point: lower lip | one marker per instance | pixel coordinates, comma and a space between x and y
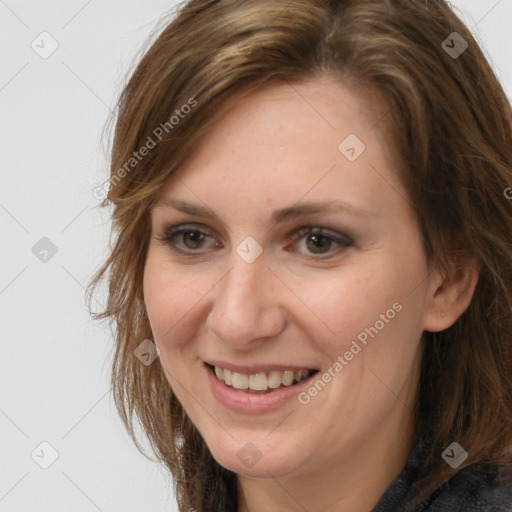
254, 403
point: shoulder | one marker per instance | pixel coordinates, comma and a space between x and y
473, 489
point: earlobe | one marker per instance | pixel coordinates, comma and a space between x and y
452, 296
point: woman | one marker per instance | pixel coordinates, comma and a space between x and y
312, 273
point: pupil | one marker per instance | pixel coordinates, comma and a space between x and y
195, 238
319, 242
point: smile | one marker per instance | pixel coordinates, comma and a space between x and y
262, 382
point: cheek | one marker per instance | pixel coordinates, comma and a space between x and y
362, 303
339, 307
173, 302
172, 299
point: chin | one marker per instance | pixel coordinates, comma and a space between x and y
258, 459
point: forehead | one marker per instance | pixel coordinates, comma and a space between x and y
287, 142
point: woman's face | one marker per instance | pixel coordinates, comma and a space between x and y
297, 250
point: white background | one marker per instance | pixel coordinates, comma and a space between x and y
54, 364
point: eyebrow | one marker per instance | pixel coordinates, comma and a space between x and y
279, 216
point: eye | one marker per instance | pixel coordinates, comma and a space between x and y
186, 240
319, 242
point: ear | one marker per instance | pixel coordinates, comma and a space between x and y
450, 294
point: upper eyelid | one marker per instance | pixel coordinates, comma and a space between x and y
310, 228
327, 232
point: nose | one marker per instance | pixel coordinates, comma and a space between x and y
248, 304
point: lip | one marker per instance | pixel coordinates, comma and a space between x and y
249, 403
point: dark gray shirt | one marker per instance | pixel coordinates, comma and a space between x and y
474, 488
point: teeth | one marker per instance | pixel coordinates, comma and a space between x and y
240, 380
274, 380
260, 381
287, 378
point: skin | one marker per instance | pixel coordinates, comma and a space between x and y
273, 149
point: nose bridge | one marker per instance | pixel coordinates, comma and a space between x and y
246, 306
241, 286
245, 287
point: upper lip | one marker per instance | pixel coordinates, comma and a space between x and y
257, 368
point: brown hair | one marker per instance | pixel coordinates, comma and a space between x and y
451, 124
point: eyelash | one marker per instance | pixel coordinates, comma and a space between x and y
342, 240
